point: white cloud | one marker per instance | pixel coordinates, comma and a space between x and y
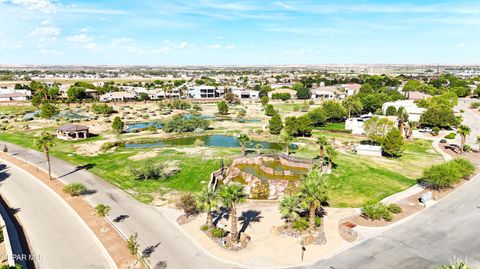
85, 42
46, 32
45, 6
183, 45
51, 51
80, 38
214, 46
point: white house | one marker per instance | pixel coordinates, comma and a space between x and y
414, 112
351, 88
245, 94
356, 124
368, 150
118, 96
204, 92
13, 96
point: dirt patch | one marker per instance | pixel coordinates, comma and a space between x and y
143, 155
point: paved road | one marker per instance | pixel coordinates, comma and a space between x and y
167, 244
434, 236
56, 236
470, 118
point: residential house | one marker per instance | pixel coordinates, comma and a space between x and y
205, 92
414, 112
118, 96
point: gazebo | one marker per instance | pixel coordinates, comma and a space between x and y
72, 132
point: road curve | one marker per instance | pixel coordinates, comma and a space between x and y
57, 236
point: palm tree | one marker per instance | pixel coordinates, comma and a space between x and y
289, 207
207, 200
411, 126
463, 130
287, 139
322, 143
313, 192
330, 155
44, 143
243, 139
402, 117
231, 195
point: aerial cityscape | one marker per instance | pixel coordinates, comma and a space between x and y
239, 134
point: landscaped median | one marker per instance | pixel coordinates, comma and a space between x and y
113, 242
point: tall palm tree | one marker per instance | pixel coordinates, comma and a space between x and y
243, 139
207, 201
322, 142
289, 207
411, 126
287, 139
231, 195
313, 192
463, 130
44, 143
330, 156
402, 117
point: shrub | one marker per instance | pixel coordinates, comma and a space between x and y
467, 148
109, 145
435, 131
450, 136
292, 188
218, 232
222, 108
281, 96
197, 107
475, 105
102, 109
204, 227
176, 104
300, 224
188, 203
102, 210
465, 167
75, 189
260, 191
150, 170
318, 221
269, 110
117, 125
441, 176
394, 208
178, 123
376, 210
391, 111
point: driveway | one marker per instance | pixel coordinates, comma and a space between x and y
471, 118
57, 236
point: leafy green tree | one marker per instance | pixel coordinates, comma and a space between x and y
334, 110
411, 86
243, 139
44, 143
313, 192
76, 93
353, 105
304, 93
463, 131
391, 111
377, 128
275, 124
207, 201
297, 86
304, 126
222, 108
269, 110
264, 100
323, 143
287, 139
48, 110
393, 143
265, 90
232, 195
289, 207
439, 116
291, 126
318, 116
460, 91
117, 125
132, 244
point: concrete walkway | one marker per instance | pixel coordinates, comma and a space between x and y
57, 236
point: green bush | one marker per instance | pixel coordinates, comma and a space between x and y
446, 174
281, 96
376, 211
75, 189
464, 166
102, 210
102, 109
475, 105
318, 221
204, 227
260, 191
450, 136
218, 232
435, 131
300, 224
394, 208
150, 170
178, 123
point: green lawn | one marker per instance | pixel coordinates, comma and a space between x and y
332, 126
16, 109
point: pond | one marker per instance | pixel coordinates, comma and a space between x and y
249, 120
142, 125
209, 140
255, 170
205, 117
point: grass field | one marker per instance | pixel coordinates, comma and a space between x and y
16, 109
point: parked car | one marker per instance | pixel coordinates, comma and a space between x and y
426, 130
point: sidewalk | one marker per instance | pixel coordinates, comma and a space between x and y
112, 241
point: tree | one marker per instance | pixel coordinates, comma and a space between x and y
353, 105
222, 108
313, 192
331, 154
48, 110
287, 139
402, 117
289, 207
117, 125
75, 93
463, 131
44, 143
391, 111
231, 195
207, 201
269, 110
437, 115
297, 86
322, 142
304, 93
411, 125
275, 124
411, 86
243, 139
377, 128
188, 203
393, 143
318, 116
132, 244
334, 110
291, 125
264, 100
304, 125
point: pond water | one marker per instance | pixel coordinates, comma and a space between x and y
205, 117
255, 170
249, 120
142, 125
279, 167
209, 140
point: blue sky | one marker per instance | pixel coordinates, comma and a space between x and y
209, 32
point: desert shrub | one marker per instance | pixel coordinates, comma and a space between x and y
179, 123
199, 143
394, 208
102, 210
464, 166
188, 203
260, 191
176, 104
109, 145
376, 211
150, 170
281, 96
441, 176
300, 224
196, 107
296, 108
204, 227
75, 189
218, 232
102, 109
450, 136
